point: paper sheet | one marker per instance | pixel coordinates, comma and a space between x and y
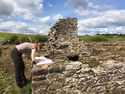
43, 60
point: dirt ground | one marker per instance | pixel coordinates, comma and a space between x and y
115, 48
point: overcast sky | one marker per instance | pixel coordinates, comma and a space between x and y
37, 16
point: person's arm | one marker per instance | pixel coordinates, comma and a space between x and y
33, 51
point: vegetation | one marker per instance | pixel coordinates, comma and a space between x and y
103, 38
20, 38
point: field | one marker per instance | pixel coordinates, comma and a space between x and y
8, 41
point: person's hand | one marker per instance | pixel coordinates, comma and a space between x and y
37, 60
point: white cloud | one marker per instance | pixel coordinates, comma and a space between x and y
98, 18
25, 9
44, 19
12, 26
18, 27
50, 5
108, 18
6, 9
87, 8
112, 21
43, 29
57, 16
21, 10
84, 4
88, 12
32, 5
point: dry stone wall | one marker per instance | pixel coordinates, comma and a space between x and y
79, 78
81, 68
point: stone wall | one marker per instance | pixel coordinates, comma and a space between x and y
63, 41
78, 78
79, 68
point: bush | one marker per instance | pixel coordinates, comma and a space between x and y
24, 39
39, 38
99, 39
20, 39
96, 38
13, 39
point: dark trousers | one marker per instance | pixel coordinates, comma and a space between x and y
19, 68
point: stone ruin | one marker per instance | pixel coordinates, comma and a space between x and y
63, 42
91, 71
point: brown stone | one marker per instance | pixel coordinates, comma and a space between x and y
63, 41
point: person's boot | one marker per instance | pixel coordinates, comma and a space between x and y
20, 83
24, 80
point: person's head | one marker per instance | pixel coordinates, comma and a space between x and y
38, 46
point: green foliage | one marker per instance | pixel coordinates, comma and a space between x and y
10, 89
41, 39
96, 38
20, 38
23, 39
13, 39
24, 90
103, 38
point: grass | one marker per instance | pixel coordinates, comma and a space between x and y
89, 39
103, 38
24, 90
19, 38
